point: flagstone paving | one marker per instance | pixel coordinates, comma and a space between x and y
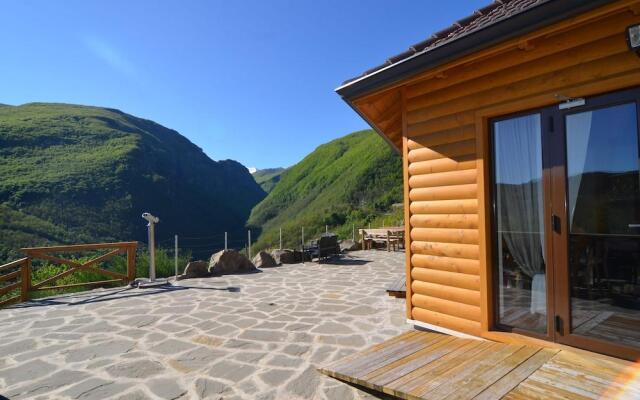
255, 336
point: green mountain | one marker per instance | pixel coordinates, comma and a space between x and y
73, 174
268, 178
349, 181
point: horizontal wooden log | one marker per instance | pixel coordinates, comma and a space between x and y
458, 151
442, 165
462, 281
456, 192
465, 296
445, 235
459, 265
444, 179
445, 207
557, 44
78, 247
420, 108
455, 309
12, 275
441, 138
556, 80
13, 264
9, 301
455, 250
6, 289
440, 124
463, 221
446, 321
72, 285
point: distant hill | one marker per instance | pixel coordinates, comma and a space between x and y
268, 177
73, 174
351, 180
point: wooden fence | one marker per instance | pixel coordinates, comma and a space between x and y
20, 270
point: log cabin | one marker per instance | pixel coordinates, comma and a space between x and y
518, 129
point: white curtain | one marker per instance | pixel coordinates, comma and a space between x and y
520, 196
520, 210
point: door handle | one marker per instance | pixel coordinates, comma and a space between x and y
555, 223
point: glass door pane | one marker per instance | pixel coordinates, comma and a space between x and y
519, 222
603, 206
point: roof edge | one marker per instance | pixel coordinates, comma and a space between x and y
528, 21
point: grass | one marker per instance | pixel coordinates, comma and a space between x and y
268, 178
351, 180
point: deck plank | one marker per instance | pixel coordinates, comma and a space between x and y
513, 378
429, 365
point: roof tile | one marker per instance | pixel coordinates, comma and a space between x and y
482, 18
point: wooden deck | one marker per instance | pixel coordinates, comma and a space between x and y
427, 365
398, 288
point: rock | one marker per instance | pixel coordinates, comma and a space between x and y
283, 256
264, 260
196, 269
349, 245
138, 369
230, 262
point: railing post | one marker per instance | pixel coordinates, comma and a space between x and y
280, 238
131, 263
249, 241
25, 269
175, 255
225, 241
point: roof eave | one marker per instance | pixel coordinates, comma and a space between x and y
528, 21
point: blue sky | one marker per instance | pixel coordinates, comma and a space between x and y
247, 80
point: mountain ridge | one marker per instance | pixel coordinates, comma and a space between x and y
91, 171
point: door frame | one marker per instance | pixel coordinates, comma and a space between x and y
560, 239
556, 243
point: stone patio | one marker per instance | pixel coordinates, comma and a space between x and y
255, 336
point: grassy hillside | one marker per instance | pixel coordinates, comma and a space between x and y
72, 174
351, 180
268, 178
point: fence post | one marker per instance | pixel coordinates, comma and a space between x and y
25, 269
280, 238
175, 255
353, 232
225, 240
131, 263
302, 243
383, 222
249, 237
326, 229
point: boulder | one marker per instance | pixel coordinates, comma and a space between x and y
196, 269
349, 245
230, 262
264, 260
283, 256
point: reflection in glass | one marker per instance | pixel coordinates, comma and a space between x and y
603, 200
519, 215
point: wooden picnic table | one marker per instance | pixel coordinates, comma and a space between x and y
393, 236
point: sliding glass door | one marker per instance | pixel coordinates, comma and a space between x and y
566, 223
519, 222
602, 260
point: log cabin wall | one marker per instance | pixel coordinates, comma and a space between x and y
440, 119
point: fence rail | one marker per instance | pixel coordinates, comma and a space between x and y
22, 268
